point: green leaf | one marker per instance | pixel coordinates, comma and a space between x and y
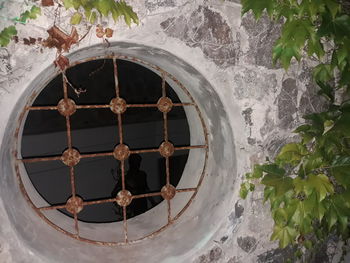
33, 13
76, 18
276, 178
127, 12
323, 73
311, 162
314, 207
93, 17
105, 6
285, 53
337, 28
280, 216
6, 35
326, 89
333, 7
76, 4
68, 3
257, 7
298, 184
286, 235
340, 169
245, 188
311, 8
257, 172
273, 169
308, 244
291, 153
338, 212
117, 9
302, 128
345, 76
321, 184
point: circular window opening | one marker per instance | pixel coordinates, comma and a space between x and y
95, 130
106, 141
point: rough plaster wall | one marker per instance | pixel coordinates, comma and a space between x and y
234, 54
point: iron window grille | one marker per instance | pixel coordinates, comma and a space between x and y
71, 156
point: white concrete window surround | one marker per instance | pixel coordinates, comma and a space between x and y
188, 233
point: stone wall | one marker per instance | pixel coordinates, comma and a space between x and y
264, 104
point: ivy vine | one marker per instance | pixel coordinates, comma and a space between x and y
87, 11
9, 32
308, 183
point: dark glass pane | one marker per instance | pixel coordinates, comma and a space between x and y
96, 131
96, 78
143, 128
44, 134
51, 94
51, 180
178, 127
138, 85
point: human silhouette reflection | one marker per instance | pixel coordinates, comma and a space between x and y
136, 183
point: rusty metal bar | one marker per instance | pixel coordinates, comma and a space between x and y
144, 151
104, 106
52, 207
183, 104
120, 128
72, 180
76, 224
163, 85
65, 88
125, 225
92, 155
186, 190
69, 142
190, 147
97, 202
146, 195
42, 108
122, 168
40, 159
116, 80
169, 211
167, 170
149, 105
165, 126
69, 135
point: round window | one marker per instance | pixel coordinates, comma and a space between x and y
106, 141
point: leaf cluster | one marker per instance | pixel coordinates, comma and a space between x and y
6, 35
9, 32
94, 9
307, 26
308, 183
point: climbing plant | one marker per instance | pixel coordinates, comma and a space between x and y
9, 32
308, 183
89, 12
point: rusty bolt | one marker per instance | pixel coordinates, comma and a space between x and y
121, 152
118, 105
164, 104
74, 205
166, 149
70, 157
124, 198
66, 107
168, 192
